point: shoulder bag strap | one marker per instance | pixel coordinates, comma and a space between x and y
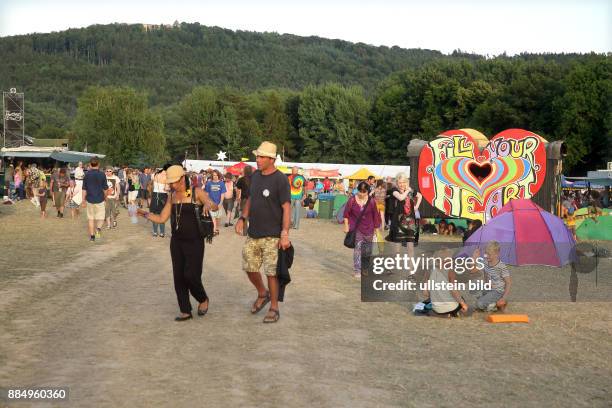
361, 214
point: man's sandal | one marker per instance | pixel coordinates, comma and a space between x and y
272, 319
256, 309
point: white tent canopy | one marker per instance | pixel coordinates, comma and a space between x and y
382, 170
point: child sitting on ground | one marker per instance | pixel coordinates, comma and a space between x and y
444, 302
496, 272
311, 213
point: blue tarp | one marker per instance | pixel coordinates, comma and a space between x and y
583, 182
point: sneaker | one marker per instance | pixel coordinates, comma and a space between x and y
97, 233
162, 235
154, 234
114, 224
92, 238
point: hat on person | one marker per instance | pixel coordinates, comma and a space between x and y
174, 173
266, 149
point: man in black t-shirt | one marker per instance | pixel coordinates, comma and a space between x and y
94, 193
268, 209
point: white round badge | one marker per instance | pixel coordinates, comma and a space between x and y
266, 193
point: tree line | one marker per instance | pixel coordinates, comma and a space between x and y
338, 123
364, 108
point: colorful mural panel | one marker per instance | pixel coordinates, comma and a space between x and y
465, 175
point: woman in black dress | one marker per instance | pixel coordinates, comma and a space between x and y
404, 203
187, 244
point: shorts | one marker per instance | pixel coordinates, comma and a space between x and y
59, 197
72, 205
95, 211
42, 200
144, 194
380, 206
132, 195
260, 251
110, 208
228, 204
215, 214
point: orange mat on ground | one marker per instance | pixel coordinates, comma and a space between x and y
508, 318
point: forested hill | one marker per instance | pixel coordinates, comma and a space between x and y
190, 88
169, 61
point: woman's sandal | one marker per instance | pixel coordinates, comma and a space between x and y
272, 319
256, 309
202, 312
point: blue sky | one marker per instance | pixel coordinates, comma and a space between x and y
486, 27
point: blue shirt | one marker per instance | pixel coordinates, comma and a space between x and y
94, 183
215, 190
144, 180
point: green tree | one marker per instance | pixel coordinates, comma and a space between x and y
334, 124
586, 118
198, 112
117, 122
228, 131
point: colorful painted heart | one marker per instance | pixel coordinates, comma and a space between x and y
462, 180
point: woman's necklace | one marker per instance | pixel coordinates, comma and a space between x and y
360, 201
178, 210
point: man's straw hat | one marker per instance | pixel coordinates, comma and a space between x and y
266, 149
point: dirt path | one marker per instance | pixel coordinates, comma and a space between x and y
98, 318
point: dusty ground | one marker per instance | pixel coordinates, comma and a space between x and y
99, 319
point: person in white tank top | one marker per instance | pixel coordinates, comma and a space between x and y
444, 303
158, 200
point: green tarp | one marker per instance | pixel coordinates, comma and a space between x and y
74, 157
600, 230
339, 201
66, 156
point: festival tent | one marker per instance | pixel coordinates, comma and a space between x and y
316, 173
54, 153
362, 174
527, 235
380, 170
284, 169
600, 230
236, 169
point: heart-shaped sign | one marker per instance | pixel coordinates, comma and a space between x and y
465, 175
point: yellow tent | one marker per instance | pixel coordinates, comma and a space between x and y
362, 174
284, 169
482, 141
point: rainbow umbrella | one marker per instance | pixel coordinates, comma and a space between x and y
527, 235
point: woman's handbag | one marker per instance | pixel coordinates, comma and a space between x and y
351, 237
406, 225
205, 222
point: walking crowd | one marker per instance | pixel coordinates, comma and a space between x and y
263, 205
